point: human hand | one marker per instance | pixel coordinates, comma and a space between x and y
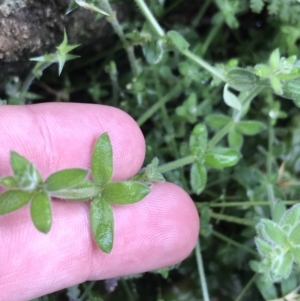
159, 231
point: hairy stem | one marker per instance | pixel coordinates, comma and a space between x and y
201, 272
232, 219
234, 243
176, 164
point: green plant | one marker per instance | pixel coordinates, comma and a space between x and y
26, 186
215, 95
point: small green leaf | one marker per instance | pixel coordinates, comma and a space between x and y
18, 163
296, 254
26, 174
290, 218
291, 89
150, 173
205, 226
125, 192
82, 192
294, 235
40, 210
154, 51
271, 232
198, 177
230, 99
102, 160
262, 70
274, 60
217, 121
102, 223
278, 211
241, 79
222, 157
267, 288
62, 54
13, 200
235, 139
282, 266
250, 128
178, 40
263, 247
9, 182
65, 179
198, 139
276, 85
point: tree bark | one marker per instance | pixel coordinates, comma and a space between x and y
30, 28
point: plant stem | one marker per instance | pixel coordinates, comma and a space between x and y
127, 290
119, 31
236, 117
87, 290
234, 243
241, 204
245, 101
212, 34
270, 189
219, 135
201, 13
151, 19
168, 124
232, 219
201, 272
244, 290
30, 78
149, 16
176, 164
173, 93
204, 64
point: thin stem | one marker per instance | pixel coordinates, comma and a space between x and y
87, 290
245, 101
31, 77
201, 272
176, 164
270, 189
212, 34
232, 219
241, 204
270, 151
219, 135
127, 290
119, 31
234, 243
236, 116
245, 289
201, 13
151, 111
168, 124
149, 16
204, 64
151, 19
172, 5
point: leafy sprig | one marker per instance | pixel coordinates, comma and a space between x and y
27, 186
278, 244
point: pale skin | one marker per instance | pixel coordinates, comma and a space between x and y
159, 231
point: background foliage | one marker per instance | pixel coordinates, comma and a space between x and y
235, 148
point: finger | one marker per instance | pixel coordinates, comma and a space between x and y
61, 135
159, 231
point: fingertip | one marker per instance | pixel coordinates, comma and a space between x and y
62, 135
159, 231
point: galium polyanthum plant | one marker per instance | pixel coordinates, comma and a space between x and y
206, 157
27, 186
